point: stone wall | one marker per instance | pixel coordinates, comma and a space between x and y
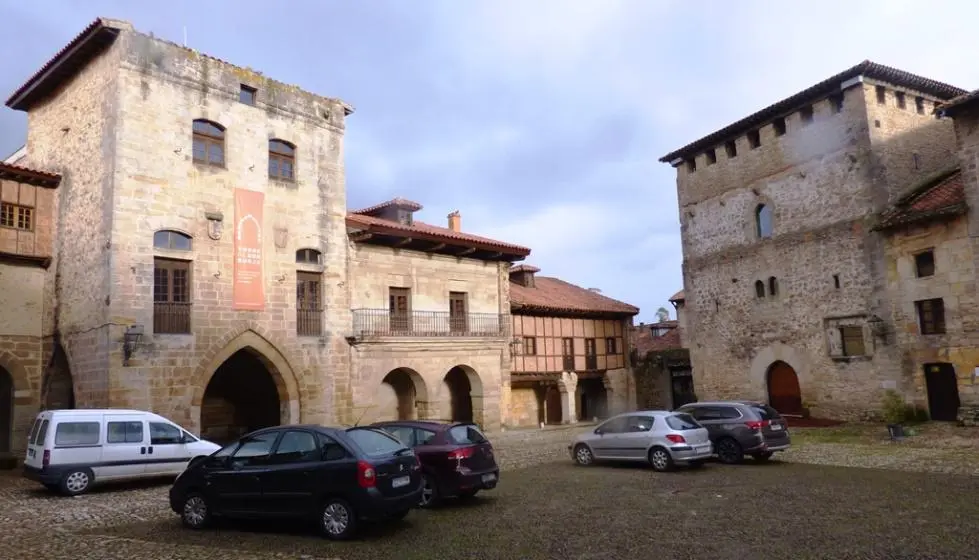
653, 378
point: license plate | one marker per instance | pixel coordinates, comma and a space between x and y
489, 477
400, 481
704, 448
776, 427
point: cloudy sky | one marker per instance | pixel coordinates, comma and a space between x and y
540, 120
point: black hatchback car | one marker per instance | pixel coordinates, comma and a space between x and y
336, 476
739, 428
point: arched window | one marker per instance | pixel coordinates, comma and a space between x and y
763, 221
309, 256
772, 286
759, 289
208, 143
282, 159
172, 240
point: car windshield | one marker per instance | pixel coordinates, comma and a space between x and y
765, 412
682, 421
374, 443
466, 435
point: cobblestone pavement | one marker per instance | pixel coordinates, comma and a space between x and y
547, 508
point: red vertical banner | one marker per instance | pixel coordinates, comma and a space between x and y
249, 288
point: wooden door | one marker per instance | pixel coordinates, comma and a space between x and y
943, 392
457, 312
399, 306
552, 405
784, 394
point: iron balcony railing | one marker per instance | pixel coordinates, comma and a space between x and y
382, 322
309, 322
171, 318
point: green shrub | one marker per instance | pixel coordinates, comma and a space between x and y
897, 411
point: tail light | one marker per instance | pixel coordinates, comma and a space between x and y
757, 424
46, 459
461, 453
366, 477
676, 438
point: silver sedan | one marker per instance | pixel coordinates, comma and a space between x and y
661, 438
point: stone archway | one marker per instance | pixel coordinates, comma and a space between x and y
784, 393
462, 395
400, 392
58, 390
6, 411
248, 363
592, 399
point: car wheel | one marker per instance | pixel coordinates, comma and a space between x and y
660, 459
583, 455
337, 519
762, 457
195, 513
76, 482
729, 451
430, 492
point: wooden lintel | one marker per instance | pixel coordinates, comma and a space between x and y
436, 247
496, 255
361, 236
468, 251
403, 242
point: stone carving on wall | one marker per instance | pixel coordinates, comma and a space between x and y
281, 237
215, 224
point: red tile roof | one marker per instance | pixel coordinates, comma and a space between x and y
29, 176
939, 196
557, 296
423, 230
524, 268
954, 106
644, 341
677, 296
398, 202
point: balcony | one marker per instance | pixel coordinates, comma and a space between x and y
381, 322
171, 318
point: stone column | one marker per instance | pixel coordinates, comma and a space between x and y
568, 386
425, 410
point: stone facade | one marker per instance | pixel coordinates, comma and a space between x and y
771, 300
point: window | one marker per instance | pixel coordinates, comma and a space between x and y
779, 126
711, 156
16, 216
72, 433
731, 148
852, 337
530, 345
296, 447
613, 426
282, 160
759, 289
42, 433
899, 97
881, 95
591, 354
754, 139
405, 434
610, 346
765, 412
916, 161
247, 95
836, 102
165, 434
254, 451
423, 437
208, 143
226, 451
124, 432
691, 165
399, 307
567, 353
639, 423
309, 256
309, 306
836, 281
805, 115
374, 443
919, 105
682, 421
924, 264
763, 221
458, 317
171, 296
931, 316
332, 451
772, 286
467, 434
172, 240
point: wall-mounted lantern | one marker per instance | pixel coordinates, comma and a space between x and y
130, 342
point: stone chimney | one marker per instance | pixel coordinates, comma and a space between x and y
523, 274
455, 221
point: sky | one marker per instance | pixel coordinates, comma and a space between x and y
541, 121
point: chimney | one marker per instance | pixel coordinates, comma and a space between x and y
455, 221
523, 274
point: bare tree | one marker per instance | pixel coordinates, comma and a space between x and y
662, 314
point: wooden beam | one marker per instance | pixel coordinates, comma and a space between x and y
436, 247
495, 255
403, 242
468, 251
361, 236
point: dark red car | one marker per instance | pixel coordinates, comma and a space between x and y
456, 457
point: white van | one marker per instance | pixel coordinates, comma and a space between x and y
70, 450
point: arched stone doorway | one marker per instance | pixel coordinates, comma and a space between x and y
6, 411
58, 392
240, 397
400, 392
552, 405
462, 395
784, 393
592, 398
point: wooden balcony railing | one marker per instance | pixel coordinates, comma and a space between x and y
591, 362
171, 318
309, 322
381, 322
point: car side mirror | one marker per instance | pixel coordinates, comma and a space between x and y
183, 437
599, 431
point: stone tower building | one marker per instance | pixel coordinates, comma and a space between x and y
784, 280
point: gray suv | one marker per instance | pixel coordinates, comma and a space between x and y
739, 428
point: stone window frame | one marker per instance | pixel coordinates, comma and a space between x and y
759, 289
209, 138
916, 256
833, 327
282, 152
175, 258
760, 206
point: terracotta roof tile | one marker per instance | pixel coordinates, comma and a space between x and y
678, 296
555, 295
356, 219
399, 202
940, 195
644, 341
957, 104
29, 176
